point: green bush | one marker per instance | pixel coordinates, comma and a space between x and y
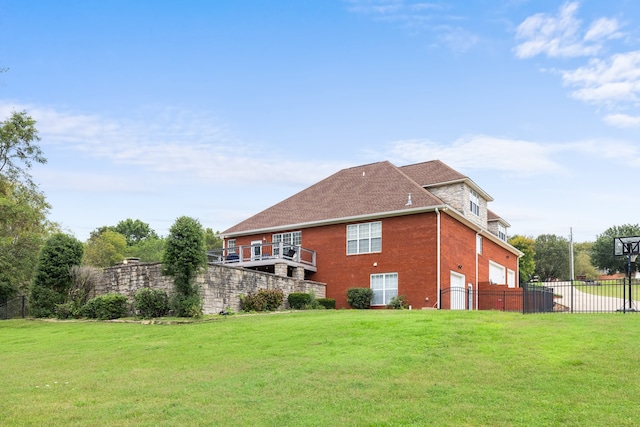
298, 300
42, 301
263, 300
150, 303
105, 307
328, 303
68, 310
359, 297
186, 305
398, 303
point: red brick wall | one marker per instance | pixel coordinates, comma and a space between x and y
409, 248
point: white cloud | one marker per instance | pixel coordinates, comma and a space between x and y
607, 82
483, 152
622, 120
168, 143
561, 35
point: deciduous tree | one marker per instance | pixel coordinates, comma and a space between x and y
552, 257
527, 263
105, 249
602, 252
19, 148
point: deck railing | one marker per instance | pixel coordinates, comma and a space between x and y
266, 252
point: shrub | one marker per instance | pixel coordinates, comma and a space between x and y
398, 303
298, 300
263, 300
186, 305
151, 302
106, 307
42, 301
68, 310
359, 297
328, 303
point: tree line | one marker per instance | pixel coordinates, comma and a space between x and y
548, 256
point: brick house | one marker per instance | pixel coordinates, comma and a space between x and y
422, 230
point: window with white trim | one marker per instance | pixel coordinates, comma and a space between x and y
474, 202
231, 246
293, 238
364, 238
385, 287
502, 232
478, 244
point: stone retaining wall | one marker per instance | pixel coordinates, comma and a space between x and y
220, 285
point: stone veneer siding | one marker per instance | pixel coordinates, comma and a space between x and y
458, 196
220, 285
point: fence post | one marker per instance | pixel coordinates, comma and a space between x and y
572, 295
24, 305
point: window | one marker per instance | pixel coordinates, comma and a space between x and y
474, 203
231, 246
502, 232
385, 287
364, 238
478, 244
293, 238
497, 274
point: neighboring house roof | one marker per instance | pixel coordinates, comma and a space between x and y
362, 190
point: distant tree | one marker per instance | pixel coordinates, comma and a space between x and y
184, 257
105, 249
602, 251
148, 250
527, 263
134, 231
582, 260
212, 239
23, 208
18, 147
552, 257
23, 230
53, 278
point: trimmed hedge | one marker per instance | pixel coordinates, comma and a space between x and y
328, 303
359, 297
299, 300
106, 307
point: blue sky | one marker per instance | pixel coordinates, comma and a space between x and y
219, 109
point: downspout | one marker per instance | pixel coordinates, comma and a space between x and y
477, 292
438, 257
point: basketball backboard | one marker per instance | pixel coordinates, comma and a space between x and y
626, 246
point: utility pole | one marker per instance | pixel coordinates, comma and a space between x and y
573, 275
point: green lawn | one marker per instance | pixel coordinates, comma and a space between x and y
611, 288
328, 368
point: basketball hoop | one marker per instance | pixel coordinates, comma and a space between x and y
629, 246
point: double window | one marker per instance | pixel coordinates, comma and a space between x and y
502, 232
474, 203
364, 238
293, 238
385, 287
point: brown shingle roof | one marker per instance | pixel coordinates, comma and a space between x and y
361, 190
431, 173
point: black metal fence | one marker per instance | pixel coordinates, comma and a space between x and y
578, 296
14, 308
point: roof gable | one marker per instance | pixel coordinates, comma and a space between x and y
361, 190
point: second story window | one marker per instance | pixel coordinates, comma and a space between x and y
231, 246
364, 238
502, 232
288, 239
474, 203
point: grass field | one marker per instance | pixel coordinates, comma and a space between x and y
346, 367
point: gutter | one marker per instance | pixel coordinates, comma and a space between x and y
438, 257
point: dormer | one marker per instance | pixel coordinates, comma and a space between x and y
497, 226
